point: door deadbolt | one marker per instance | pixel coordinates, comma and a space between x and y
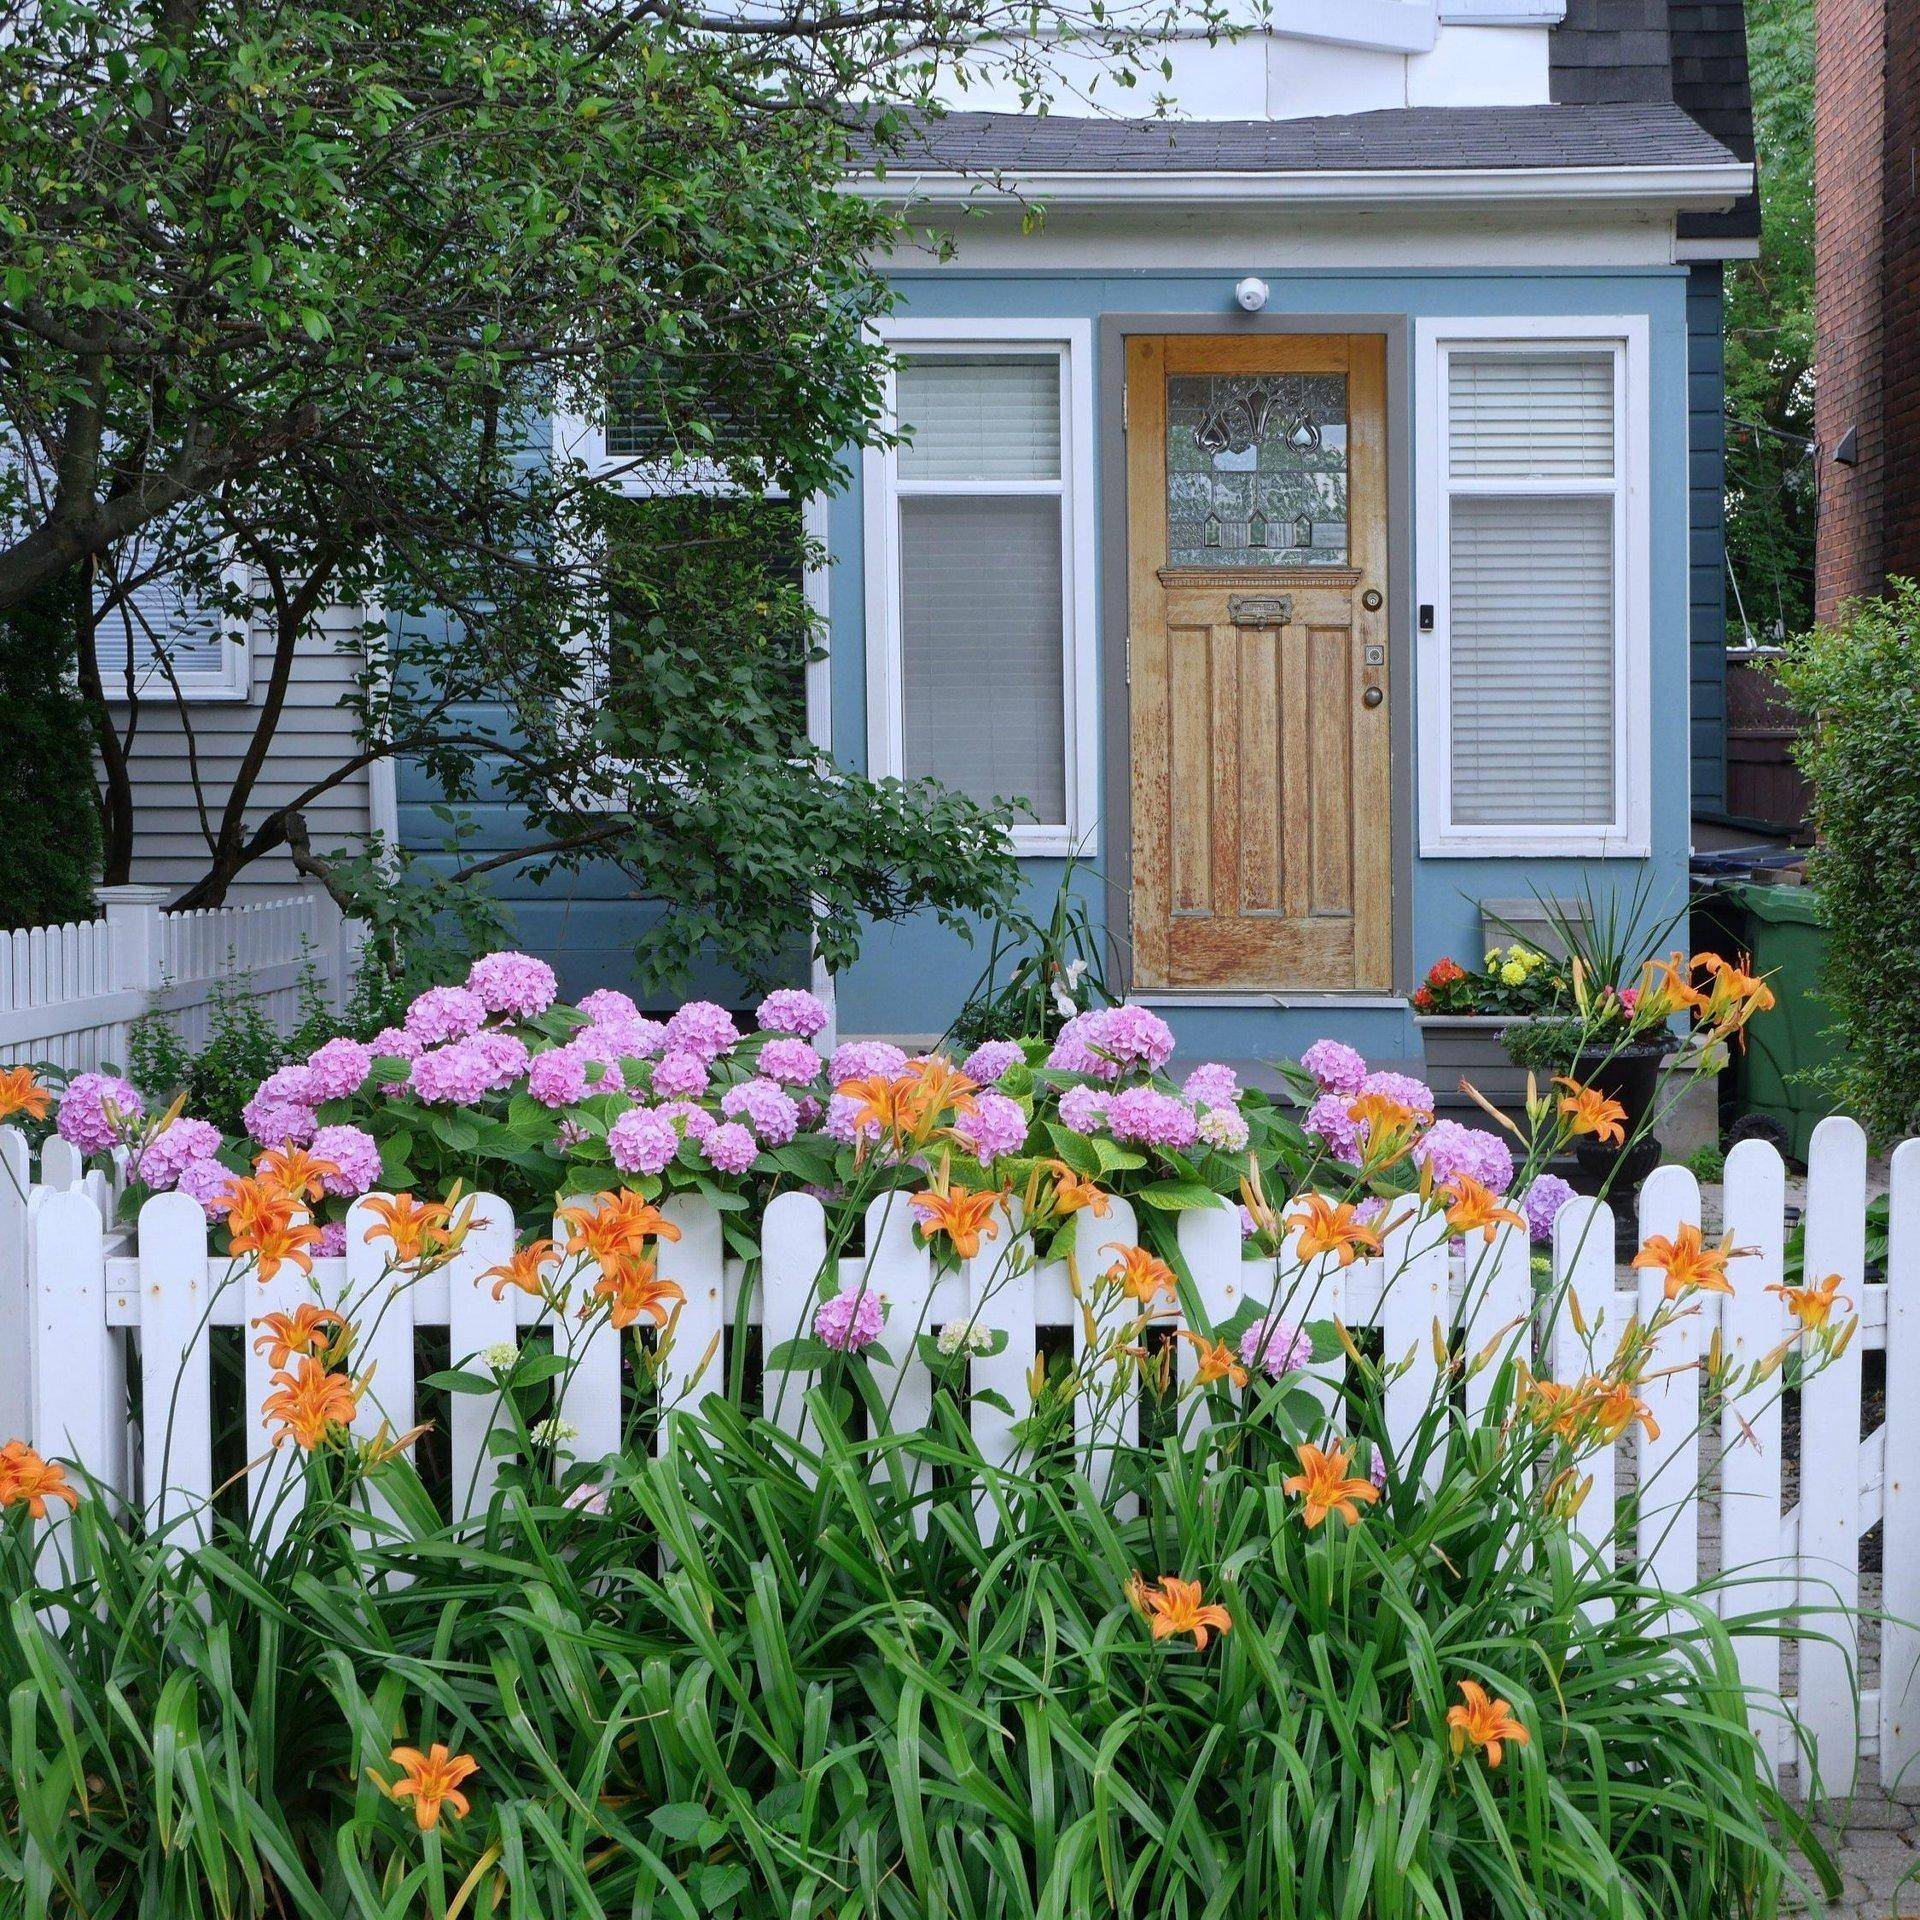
1372, 697
1371, 599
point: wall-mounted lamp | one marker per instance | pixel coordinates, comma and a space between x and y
1251, 294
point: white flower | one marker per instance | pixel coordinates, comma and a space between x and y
500, 1356
556, 1432
1223, 1127
969, 1334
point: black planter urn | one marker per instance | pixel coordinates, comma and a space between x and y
1630, 1075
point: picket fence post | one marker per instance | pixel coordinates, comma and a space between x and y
1665, 1493
16, 1316
1900, 1514
133, 933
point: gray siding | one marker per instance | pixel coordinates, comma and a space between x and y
1707, 508
315, 735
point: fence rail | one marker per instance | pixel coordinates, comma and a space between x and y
69, 994
104, 1309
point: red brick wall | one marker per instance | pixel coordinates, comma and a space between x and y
1900, 311
1849, 160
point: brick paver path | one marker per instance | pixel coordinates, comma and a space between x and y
1877, 1840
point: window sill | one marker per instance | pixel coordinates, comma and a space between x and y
163, 696
1568, 845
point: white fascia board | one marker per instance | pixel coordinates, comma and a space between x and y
1392, 26
1503, 13
1702, 247
1703, 189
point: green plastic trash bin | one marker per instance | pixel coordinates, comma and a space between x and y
1789, 938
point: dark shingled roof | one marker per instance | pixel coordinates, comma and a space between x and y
1610, 134
1691, 52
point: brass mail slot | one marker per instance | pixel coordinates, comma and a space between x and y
1260, 609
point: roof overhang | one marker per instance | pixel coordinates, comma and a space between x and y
1699, 189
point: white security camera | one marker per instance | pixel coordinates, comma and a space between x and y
1251, 293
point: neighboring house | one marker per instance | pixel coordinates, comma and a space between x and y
1866, 170
1317, 516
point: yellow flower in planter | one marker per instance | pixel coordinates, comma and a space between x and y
1483, 1723
1325, 1486
1733, 997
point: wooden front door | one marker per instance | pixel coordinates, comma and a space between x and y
1257, 661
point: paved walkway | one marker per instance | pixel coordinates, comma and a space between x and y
1877, 1839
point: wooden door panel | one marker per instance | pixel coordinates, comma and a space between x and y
1259, 773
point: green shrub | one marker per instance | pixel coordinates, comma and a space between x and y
49, 808
1858, 683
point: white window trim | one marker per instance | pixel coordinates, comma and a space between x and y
1629, 834
1072, 342
234, 681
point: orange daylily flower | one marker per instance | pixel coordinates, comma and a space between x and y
1325, 1485
308, 1403
1588, 1110
26, 1480
876, 1103
256, 1206
1667, 988
417, 1230
20, 1092
1733, 996
432, 1780
1139, 1275
1615, 1407
305, 1330
294, 1171
933, 1085
1072, 1191
633, 1285
1551, 1403
1175, 1606
1471, 1205
528, 1268
1483, 1723
1813, 1305
1328, 1226
964, 1217
278, 1243
1688, 1260
1390, 1125
1217, 1360
615, 1226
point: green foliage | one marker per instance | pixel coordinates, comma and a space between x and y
1770, 341
243, 1046
1858, 682
1707, 1164
46, 774
1057, 969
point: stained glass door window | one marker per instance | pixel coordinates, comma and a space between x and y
1257, 470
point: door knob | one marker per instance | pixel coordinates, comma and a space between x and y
1371, 599
1372, 697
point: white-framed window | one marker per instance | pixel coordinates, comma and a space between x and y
1531, 441
174, 636
979, 571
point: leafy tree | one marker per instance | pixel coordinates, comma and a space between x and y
1770, 340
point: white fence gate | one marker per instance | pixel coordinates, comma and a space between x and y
69, 994
99, 1309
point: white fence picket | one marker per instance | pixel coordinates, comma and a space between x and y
1753, 1322
793, 1253
695, 1361
176, 1386
79, 1404
1000, 1297
1583, 1256
276, 1486
1210, 1241
16, 1316
1667, 1544
1498, 1306
1104, 1413
1900, 1510
475, 1322
904, 1276
1829, 1543
589, 1400
1413, 1304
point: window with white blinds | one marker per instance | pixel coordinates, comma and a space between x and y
1539, 636
978, 596
166, 634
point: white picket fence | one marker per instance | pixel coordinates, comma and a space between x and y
100, 1307
68, 994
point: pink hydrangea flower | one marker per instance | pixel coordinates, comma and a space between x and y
169, 1151
704, 1029
636, 1039
355, 1152
338, 1068
395, 1043
277, 1123
694, 1120
1152, 1118
642, 1141
1272, 1347
455, 1075
680, 1074
1212, 1085
515, 984
1084, 1109
568, 1134
790, 1062
731, 1148
1415, 1095
850, 1321
1548, 1194
1224, 1128
445, 1013
1327, 1119
839, 1125
990, 1059
1449, 1149
794, 1011
1377, 1469
210, 1183
294, 1083
810, 1109
558, 1077
771, 1114
607, 1004
1249, 1226
1108, 1040
862, 1059
1337, 1066
332, 1244
995, 1128
505, 1054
